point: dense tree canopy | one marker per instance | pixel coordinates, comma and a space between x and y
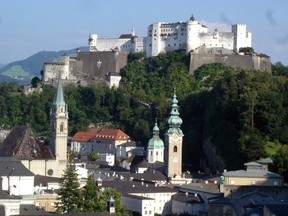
239, 111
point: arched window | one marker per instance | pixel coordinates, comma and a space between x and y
156, 153
175, 149
61, 127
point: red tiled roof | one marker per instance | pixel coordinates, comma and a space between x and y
101, 134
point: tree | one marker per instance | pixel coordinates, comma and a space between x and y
90, 196
93, 156
103, 198
34, 82
70, 199
246, 50
281, 161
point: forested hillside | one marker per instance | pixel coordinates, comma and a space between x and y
229, 116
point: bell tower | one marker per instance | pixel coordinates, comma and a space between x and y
173, 142
59, 125
155, 148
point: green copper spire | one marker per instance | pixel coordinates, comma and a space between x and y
59, 99
174, 120
155, 141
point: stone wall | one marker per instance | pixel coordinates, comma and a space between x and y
251, 62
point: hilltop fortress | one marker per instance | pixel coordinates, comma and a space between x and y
106, 56
164, 37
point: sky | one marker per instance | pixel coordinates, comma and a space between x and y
31, 26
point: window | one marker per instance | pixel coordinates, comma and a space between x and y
156, 153
61, 127
175, 149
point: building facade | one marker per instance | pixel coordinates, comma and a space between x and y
164, 37
100, 140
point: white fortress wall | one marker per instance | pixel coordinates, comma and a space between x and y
217, 39
106, 44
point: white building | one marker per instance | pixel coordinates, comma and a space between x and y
160, 195
143, 205
164, 37
16, 186
101, 140
15, 177
109, 158
127, 149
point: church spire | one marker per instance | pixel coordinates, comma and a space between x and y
174, 120
59, 99
59, 125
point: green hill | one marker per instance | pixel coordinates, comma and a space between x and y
23, 71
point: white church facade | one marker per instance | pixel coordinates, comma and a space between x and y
163, 37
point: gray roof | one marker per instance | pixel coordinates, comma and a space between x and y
239, 203
187, 197
59, 99
44, 180
13, 167
136, 197
198, 189
257, 174
137, 187
252, 164
5, 195
26, 209
152, 177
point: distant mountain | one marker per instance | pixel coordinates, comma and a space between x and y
23, 71
1, 65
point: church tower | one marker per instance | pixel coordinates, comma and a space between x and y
59, 125
173, 142
155, 149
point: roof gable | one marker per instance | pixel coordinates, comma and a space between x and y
101, 134
13, 167
22, 144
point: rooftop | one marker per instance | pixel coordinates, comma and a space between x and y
100, 134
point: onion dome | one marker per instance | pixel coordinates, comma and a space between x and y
155, 141
174, 120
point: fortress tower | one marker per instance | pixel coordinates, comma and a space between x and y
173, 142
242, 38
59, 125
92, 42
155, 149
194, 28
